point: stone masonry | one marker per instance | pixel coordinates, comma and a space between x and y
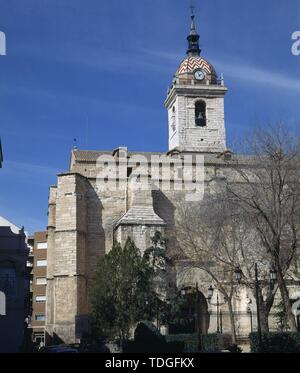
86, 217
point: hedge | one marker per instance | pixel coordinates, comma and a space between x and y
148, 339
276, 342
209, 342
146, 331
215, 342
190, 341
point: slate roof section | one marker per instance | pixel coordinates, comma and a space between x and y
91, 156
140, 215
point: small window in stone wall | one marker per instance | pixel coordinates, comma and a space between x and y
40, 298
200, 114
39, 337
173, 119
41, 263
40, 317
41, 281
41, 245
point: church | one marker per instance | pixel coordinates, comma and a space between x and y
85, 218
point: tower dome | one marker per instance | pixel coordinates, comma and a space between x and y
195, 62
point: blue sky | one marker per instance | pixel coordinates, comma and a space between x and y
98, 71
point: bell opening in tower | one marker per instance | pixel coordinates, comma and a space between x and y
200, 114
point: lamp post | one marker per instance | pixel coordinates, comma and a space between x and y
218, 321
249, 311
221, 321
198, 318
238, 274
257, 308
218, 304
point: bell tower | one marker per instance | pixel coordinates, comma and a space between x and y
195, 103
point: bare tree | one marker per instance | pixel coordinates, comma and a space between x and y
266, 187
217, 250
216, 237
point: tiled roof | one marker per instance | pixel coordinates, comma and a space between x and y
88, 155
142, 215
91, 156
190, 64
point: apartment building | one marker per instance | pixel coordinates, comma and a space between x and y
39, 282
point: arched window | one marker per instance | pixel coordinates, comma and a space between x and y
173, 119
200, 114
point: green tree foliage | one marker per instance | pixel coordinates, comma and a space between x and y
281, 317
168, 303
170, 306
130, 287
156, 254
121, 286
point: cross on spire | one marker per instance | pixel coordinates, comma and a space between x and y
193, 37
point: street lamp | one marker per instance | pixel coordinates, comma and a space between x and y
210, 293
183, 292
238, 274
273, 275
218, 304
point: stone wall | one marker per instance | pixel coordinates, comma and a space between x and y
183, 132
85, 220
82, 221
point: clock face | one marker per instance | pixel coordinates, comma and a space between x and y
199, 74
